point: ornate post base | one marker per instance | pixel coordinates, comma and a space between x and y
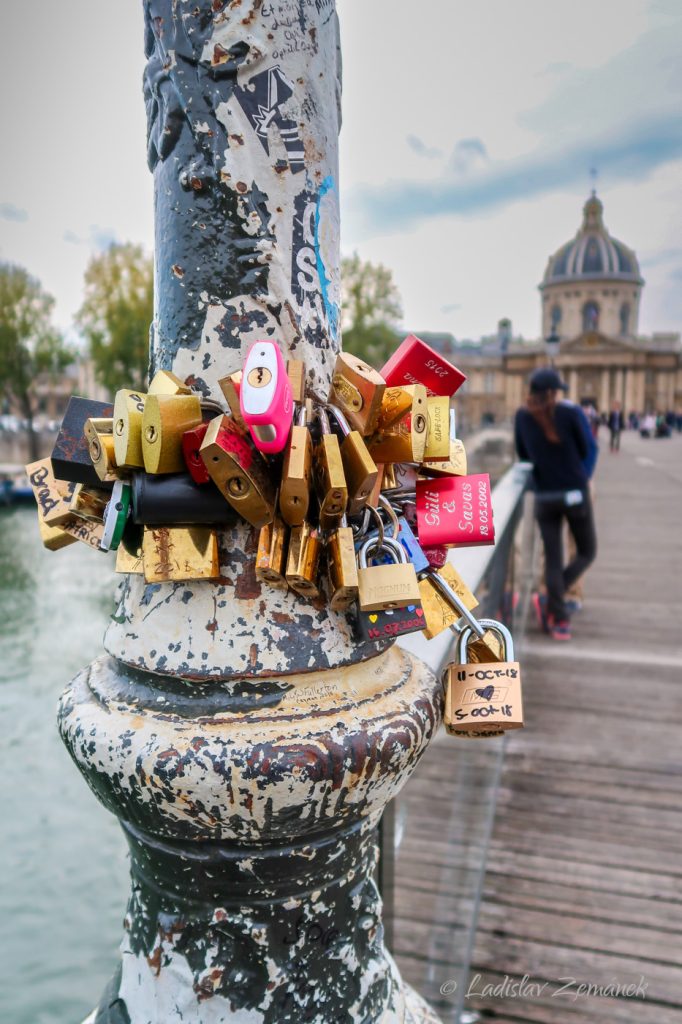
251, 816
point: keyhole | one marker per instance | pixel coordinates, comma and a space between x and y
150, 433
120, 426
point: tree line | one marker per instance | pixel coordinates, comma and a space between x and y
115, 317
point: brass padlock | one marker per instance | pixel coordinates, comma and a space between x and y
230, 386
271, 557
303, 561
171, 553
456, 463
390, 478
54, 537
166, 383
483, 700
386, 586
342, 568
438, 431
330, 479
165, 419
100, 438
128, 413
403, 443
440, 612
395, 405
53, 497
414, 418
238, 471
296, 375
294, 493
89, 503
359, 468
357, 389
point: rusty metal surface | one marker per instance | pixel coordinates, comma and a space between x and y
243, 104
251, 814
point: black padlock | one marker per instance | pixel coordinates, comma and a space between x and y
175, 499
71, 455
389, 624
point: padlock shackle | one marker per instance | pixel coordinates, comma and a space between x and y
496, 627
390, 512
442, 584
340, 418
388, 544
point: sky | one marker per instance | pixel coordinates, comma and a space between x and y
472, 132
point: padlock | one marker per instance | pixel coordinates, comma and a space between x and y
414, 362
99, 435
53, 497
128, 414
359, 468
303, 560
176, 500
191, 445
455, 510
294, 493
437, 447
271, 556
296, 375
71, 456
390, 478
166, 383
358, 390
127, 562
389, 623
403, 443
395, 405
89, 503
164, 421
330, 480
483, 700
440, 611
386, 586
54, 538
456, 465
265, 397
342, 568
172, 553
116, 516
436, 556
406, 537
238, 471
230, 386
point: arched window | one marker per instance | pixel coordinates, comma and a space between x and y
556, 316
590, 316
625, 318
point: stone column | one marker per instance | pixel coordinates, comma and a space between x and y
604, 395
246, 742
573, 386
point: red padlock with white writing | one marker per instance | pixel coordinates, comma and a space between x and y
415, 362
455, 510
265, 397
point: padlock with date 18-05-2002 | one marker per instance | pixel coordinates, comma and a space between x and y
455, 510
386, 586
483, 699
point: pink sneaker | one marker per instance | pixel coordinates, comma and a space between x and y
560, 630
539, 602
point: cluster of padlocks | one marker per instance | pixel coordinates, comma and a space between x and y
356, 495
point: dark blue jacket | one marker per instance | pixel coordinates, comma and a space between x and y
557, 466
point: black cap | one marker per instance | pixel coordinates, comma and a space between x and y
547, 379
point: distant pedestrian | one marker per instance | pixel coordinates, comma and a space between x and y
615, 423
648, 425
551, 434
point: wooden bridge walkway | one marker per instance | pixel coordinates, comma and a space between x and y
584, 868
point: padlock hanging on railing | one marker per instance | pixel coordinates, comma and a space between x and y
483, 700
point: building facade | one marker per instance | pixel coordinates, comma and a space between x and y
590, 295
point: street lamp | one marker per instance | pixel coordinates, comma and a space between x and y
552, 343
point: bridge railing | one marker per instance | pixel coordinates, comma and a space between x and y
417, 822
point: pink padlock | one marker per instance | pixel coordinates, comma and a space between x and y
455, 510
265, 397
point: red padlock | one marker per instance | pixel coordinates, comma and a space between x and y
437, 556
191, 443
455, 510
415, 362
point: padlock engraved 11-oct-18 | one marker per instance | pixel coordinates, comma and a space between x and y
483, 700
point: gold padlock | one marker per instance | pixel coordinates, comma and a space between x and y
296, 375
303, 561
171, 553
357, 389
402, 443
390, 480
239, 471
342, 567
395, 405
483, 700
99, 435
438, 432
294, 493
386, 586
166, 383
271, 555
89, 503
230, 388
359, 468
439, 612
128, 413
126, 562
166, 418
54, 537
330, 479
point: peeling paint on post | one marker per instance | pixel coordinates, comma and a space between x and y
246, 743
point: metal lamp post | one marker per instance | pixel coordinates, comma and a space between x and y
552, 343
246, 742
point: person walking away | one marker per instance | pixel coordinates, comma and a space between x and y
615, 424
550, 434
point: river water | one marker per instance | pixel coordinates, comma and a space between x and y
62, 856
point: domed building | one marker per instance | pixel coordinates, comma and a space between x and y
591, 293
